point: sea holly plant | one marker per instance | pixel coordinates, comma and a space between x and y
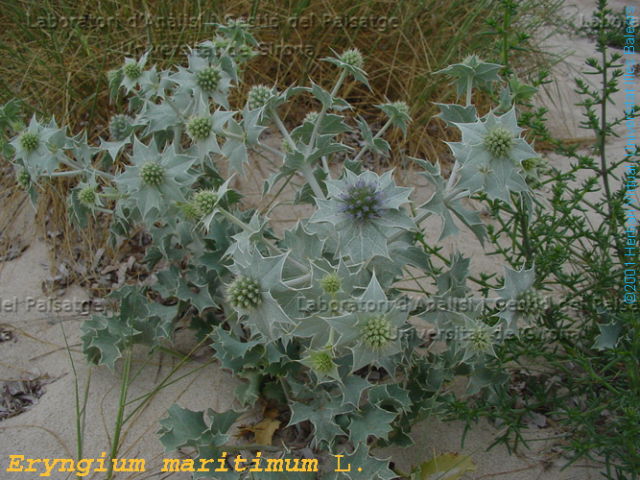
315, 321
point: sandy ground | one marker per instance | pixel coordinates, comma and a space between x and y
40, 329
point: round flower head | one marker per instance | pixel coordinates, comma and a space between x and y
199, 128
221, 43
245, 51
189, 211
29, 141
499, 142
152, 174
132, 70
479, 339
311, 117
87, 196
204, 201
363, 201
531, 303
353, 57
24, 179
322, 362
245, 293
377, 332
286, 147
119, 127
258, 96
402, 107
330, 283
529, 163
208, 78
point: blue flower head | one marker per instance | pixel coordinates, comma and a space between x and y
363, 201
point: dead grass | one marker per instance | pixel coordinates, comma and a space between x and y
56, 55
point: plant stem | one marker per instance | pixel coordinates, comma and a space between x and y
280, 125
378, 135
122, 401
315, 186
321, 114
71, 173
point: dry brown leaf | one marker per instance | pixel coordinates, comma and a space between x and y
263, 430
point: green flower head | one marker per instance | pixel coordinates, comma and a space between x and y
401, 106
479, 338
204, 201
331, 283
244, 293
120, 127
258, 96
353, 57
132, 70
531, 303
322, 362
208, 78
311, 117
87, 196
499, 142
189, 211
199, 128
29, 141
377, 332
152, 174
24, 179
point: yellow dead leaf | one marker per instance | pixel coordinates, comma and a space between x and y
263, 431
448, 466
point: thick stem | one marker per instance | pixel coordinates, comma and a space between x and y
72, 173
276, 118
315, 186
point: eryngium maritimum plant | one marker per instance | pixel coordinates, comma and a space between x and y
318, 318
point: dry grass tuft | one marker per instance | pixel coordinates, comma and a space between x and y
56, 55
